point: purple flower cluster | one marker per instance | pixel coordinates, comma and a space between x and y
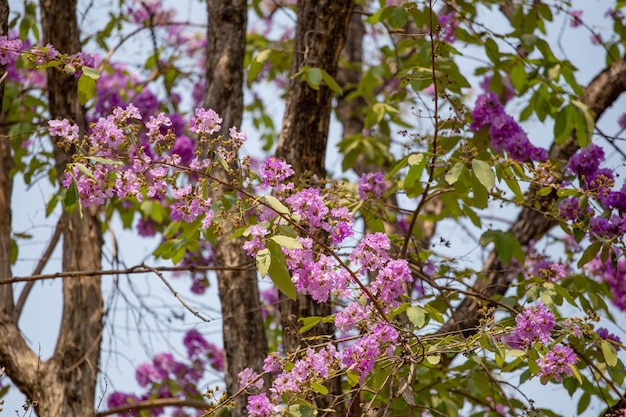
165, 377
314, 365
259, 406
506, 134
571, 209
605, 335
147, 168
318, 277
576, 21
361, 356
614, 275
249, 378
64, 129
257, 243
205, 121
448, 22
556, 363
372, 252
10, 50
597, 183
534, 324
274, 172
371, 185
551, 271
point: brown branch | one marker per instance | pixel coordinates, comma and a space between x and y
177, 295
152, 404
139, 269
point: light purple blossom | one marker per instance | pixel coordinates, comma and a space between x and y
556, 363
506, 134
274, 171
372, 252
535, 323
9, 50
371, 185
259, 406
205, 121
575, 20
63, 128
257, 242
249, 378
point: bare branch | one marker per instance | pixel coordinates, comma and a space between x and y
152, 404
139, 269
177, 295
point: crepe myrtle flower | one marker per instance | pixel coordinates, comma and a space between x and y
556, 363
534, 324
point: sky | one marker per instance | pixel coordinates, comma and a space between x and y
134, 333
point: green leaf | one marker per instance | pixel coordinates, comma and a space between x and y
71, 196
275, 204
434, 358
562, 129
278, 271
331, 83
505, 244
86, 171
484, 173
15, 250
415, 158
314, 78
352, 377
105, 161
609, 353
398, 18
452, 176
92, 73
301, 410
583, 403
287, 242
319, 388
589, 254
308, 323
417, 316
86, 88
263, 261
585, 125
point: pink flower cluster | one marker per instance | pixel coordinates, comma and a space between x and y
556, 363
165, 377
371, 185
316, 366
534, 324
147, 166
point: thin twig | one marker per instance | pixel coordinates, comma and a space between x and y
139, 269
177, 295
151, 404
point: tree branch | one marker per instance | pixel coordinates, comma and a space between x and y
152, 404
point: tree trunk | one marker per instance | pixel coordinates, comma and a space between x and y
20, 362
70, 375
321, 30
245, 343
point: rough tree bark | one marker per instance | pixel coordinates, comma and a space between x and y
245, 343
321, 29
65, 384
